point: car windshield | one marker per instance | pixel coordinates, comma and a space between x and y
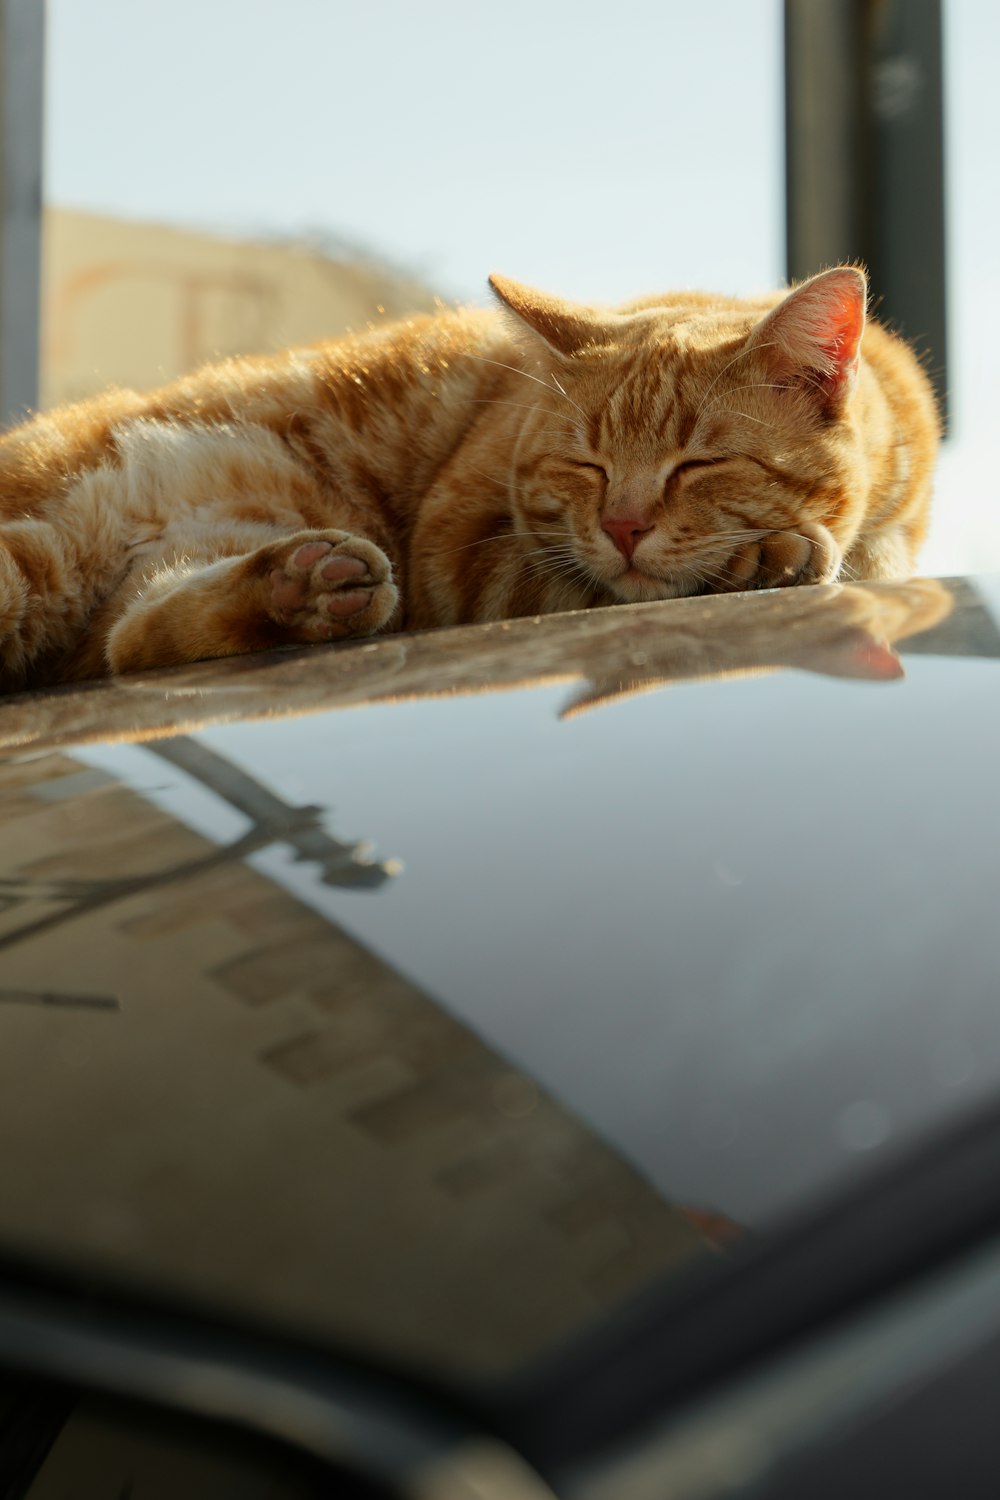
441, 1027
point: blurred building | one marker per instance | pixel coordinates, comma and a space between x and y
137, 304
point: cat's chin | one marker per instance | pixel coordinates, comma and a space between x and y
634, 587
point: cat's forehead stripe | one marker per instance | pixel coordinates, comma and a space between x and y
653, 399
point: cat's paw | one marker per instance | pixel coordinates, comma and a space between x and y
330, 585
781, 559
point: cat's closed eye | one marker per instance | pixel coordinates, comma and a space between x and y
690, 464
599, 469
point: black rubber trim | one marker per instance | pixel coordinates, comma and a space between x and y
702, 1329
31, 1418
86, 1333
685, 1337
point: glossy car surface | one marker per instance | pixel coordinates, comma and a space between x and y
441, 1018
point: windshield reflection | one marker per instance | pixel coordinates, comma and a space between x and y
186, 1043
641, 966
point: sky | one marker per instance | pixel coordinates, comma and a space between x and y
598, 150
581, 145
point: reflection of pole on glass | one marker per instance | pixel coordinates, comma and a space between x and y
300, 827
272, 821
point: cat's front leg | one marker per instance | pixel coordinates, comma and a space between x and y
781, 559
310, 587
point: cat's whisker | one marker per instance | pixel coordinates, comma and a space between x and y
556, 566
509, 535
559, 588
500, 401
712, 575
557, 559
563, 392
760, 385
567, 593
554, 541
722, 537
484, 359
742, 416
720, 551
506, 536
550, 531
755, 385
503, 483
520, 406
720, 558
843, 566
735, 360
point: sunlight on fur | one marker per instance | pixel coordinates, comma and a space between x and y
462, 467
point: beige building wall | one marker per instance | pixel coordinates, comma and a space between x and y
138, 304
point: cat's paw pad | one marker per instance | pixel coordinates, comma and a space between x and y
781, 559
331, 586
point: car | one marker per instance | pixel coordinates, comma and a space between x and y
551, 1057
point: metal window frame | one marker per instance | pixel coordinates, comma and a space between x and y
864, 157
22, 69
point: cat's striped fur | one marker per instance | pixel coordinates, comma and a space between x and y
466, 466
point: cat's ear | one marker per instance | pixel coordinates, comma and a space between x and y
813, 337
564, 326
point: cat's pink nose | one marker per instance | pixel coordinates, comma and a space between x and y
626, 532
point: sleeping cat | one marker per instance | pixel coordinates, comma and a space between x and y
467, 466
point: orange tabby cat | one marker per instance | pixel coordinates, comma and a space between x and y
461, 467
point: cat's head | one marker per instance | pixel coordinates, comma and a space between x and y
664, 436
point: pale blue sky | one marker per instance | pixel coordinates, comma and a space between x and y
588, 146
596, 149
